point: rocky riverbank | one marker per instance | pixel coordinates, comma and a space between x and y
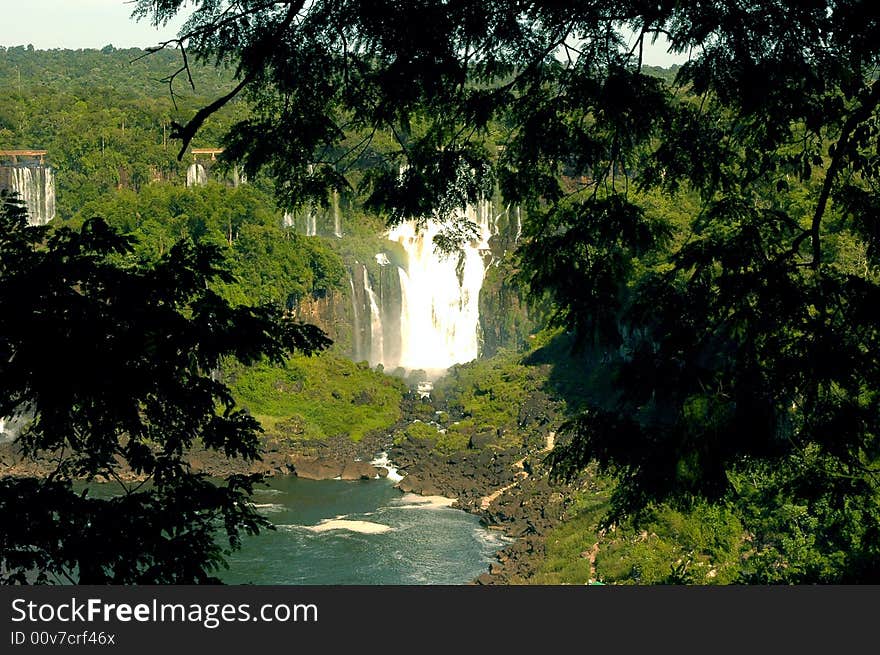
507, 487
335, 458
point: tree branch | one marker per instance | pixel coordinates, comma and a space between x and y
188, 131
838, 159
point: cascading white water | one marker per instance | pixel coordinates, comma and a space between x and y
35, 186
383, 461
196, 175
377, 343
309, 222
518, 224
337, 215
440, 294
421, 314
356, 351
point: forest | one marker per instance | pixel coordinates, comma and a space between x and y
687, 308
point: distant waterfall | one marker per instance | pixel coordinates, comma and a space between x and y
36, 187
377, 344
196, 175
337, 215
415, 308
439, 321
304, 223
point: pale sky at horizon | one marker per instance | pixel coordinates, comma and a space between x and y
75, 24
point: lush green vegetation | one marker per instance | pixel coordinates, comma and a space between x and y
731, 541
318, 397
110, 365
706, 545
105, 116
496, 395
270, 263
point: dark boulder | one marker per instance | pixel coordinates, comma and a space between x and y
317, 468
359, 471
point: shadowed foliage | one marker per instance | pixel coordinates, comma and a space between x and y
109, 364
739, 339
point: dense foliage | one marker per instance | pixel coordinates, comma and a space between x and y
104, 116
112, 362
739, 342
269, 263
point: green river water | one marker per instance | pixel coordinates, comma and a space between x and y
333, 532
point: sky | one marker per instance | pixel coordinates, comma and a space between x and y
74, 24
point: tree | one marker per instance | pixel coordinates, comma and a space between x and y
111, 361
739, 342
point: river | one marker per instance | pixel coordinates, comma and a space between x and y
333, 532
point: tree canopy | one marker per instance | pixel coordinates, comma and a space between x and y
111, 360
104, 116
739, 339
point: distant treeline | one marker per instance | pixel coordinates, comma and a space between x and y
105, 115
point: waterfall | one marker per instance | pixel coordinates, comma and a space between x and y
415, 308
337, 215
356, 349
35, 186
439, 316
196, 175
377, 345
306, 225
518, 224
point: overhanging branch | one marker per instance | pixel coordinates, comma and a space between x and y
188, 131
838, 159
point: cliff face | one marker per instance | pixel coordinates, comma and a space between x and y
504, 316
334, 314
